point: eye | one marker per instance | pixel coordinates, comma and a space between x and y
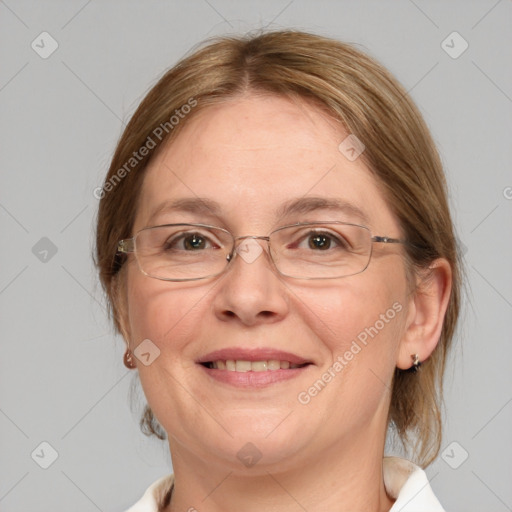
321, 241
189, 242
194, 242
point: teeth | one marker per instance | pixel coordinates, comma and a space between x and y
243, 366
259, 366
252, 366
274, 365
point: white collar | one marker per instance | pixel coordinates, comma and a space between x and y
404, 481
409, 485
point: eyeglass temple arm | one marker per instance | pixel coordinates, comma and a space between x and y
126, 245
387, 240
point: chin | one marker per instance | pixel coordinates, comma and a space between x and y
258, 442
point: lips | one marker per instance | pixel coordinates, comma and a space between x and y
254, 356
252, 367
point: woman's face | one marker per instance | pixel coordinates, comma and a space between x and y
250, 157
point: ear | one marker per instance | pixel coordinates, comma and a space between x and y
425, 315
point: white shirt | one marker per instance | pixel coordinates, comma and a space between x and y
404, 481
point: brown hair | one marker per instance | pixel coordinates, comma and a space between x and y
370, 104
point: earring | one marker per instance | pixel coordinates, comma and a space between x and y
416, 363
128, 360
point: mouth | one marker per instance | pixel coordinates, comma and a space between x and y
252, 368
243, 366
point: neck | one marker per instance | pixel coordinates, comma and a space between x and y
342, 479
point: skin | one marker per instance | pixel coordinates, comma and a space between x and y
251, 154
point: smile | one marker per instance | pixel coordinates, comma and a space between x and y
242, 366
251, 367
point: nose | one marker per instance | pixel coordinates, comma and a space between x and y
251, 291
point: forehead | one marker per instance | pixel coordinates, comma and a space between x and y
254, 155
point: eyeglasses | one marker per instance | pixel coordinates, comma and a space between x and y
313, 250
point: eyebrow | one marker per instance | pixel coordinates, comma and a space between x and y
207, 207
305, 205
197, 205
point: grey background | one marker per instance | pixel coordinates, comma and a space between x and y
61, 375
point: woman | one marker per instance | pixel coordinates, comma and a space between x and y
275, 242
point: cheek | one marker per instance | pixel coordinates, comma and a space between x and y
358, 324
166, 313
340, 313
357, 327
